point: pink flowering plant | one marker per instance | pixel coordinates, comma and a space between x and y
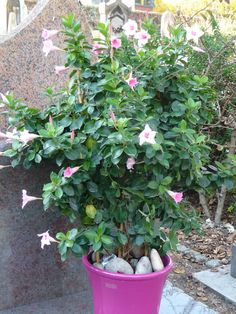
124, 134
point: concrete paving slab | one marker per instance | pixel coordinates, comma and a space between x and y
174, 301
220, 282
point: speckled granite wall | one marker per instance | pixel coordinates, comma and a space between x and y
24, 68
28, 273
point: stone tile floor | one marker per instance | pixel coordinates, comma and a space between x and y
174, 301
219, 281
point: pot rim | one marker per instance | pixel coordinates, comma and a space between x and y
117, 276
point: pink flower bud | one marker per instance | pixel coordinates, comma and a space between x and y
70, 171
112, 116
72, 135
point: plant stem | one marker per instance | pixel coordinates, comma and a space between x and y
79, 90
97, 257
203, 202
121, 249
223, 191
145, 249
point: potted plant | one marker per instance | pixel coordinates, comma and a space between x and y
125, 135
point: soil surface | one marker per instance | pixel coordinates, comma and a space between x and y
215, 243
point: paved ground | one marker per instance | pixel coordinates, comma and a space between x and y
219, 281
174, 301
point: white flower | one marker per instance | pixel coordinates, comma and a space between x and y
193, 33
147, 135
46, 239
130, 28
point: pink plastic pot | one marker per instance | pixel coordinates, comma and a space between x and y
127, 294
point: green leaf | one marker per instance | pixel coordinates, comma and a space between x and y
38, 159
59, 192
61, 236
97, 246
10, 153
90, 235
153, 185
204, 182
166, 181
178, 108
76, 248
90, 211
62, 248
77, 124
92, 187
139, 240
69, 190
130, 150
71, 234
122, 238
229, 183
69, 243
183, 125
75, 154
117, 153
107, 240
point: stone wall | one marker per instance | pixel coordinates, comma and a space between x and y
24, 68
27, 273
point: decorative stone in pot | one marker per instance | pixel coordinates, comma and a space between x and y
115, 293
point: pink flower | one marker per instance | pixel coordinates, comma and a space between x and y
9, 136
60, 69
46, 34
130, 163
46, 239
70, 171
177, 196
97, 49
4, 166
142, 37
132, 81
72, 135
193, 33
26, 137
26, 198
147, 136
115, 42
48, 47
112, 116
23, 136
4, 99
130, 28
198, 49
